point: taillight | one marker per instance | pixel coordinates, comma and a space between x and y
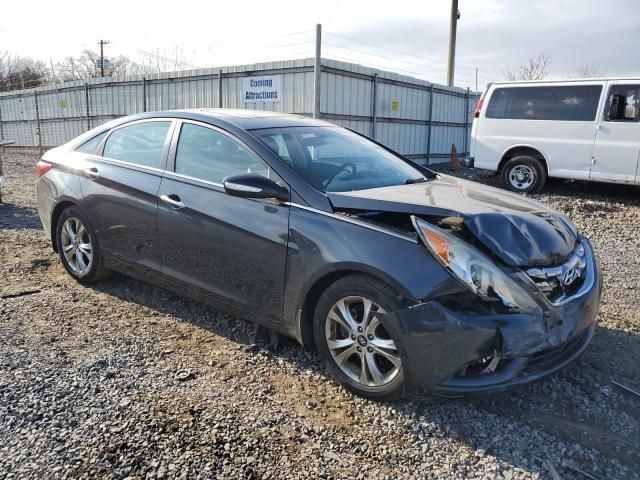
478, 107
42, 167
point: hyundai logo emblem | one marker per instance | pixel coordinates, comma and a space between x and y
570, 275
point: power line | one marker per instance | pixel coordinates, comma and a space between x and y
373, 65
421, 65
284, 34
162, 57
403, 52
289, 44
423, 75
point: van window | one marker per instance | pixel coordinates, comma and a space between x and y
567, 103
623, 104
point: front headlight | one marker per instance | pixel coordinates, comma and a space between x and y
473, 268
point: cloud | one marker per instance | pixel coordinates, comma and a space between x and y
495, 36
408, 36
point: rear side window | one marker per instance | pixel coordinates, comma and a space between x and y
210, 155
141, 143
91, 146
568, 103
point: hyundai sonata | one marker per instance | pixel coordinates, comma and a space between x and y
405, 280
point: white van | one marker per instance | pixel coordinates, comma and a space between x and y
577, 129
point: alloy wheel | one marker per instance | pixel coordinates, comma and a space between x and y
359, 343
76, 246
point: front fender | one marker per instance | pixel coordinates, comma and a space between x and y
321, 246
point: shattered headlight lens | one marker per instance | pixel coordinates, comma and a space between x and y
473, 268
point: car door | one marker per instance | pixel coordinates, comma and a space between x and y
120, 189
617, 146
229, 247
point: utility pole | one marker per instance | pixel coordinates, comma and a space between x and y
476, 80
455, 15
316, 73
102, 43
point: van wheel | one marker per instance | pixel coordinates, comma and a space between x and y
524, 174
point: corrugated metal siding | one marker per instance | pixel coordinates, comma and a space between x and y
347, 98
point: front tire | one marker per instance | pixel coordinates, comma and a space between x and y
524, 174
357, 347
78, 247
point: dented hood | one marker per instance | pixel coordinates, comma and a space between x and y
519, 231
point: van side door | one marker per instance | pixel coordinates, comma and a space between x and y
617, 146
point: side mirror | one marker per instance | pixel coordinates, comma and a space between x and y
251, 185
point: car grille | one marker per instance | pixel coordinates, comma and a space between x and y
562, 281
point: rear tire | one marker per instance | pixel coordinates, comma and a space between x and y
524, 174
78, 247
360, 352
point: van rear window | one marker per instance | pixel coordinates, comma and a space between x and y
578, 103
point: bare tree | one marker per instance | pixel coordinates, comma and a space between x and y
536, 68
87, 65
164, 61
20, 72
587, 70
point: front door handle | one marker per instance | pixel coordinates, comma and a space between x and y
173, 200
92, 173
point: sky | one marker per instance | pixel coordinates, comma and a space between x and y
406, 36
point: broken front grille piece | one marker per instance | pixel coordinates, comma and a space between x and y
562, 281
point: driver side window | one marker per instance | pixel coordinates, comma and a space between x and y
623, 104
210, 155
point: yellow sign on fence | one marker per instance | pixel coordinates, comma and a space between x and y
63, 103
395, 105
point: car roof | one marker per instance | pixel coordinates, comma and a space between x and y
237, 118
248, 119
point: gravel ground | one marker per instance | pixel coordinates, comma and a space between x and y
123, 379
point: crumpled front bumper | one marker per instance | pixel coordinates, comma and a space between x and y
438, 343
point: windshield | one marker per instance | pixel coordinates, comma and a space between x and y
333, 159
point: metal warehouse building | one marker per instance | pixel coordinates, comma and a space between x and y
417, 118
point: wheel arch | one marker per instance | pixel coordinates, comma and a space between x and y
320, 282
517, 150
55, 215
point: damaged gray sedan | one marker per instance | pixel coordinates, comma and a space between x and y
404, 280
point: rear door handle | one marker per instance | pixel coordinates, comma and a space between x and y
92, 173
173, 200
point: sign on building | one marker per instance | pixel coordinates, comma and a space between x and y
266, 88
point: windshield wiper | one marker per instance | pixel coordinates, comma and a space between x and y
409, 181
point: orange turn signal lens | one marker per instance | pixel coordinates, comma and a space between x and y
438, 243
